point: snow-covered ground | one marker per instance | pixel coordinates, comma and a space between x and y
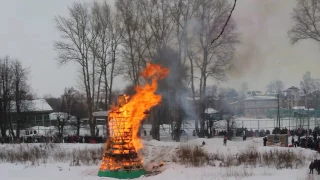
154, 152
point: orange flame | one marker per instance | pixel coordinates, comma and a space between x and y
144, 99
124, 121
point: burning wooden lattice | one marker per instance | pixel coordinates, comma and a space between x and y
120, 155
121, 159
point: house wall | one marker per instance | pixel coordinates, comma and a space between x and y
294, 98
259, 108
238, 108
30, 119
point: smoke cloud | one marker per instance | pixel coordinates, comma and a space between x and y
250, 55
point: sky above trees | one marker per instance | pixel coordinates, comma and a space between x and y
28, 33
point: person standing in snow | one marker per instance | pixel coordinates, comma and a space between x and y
225, 140
292, 141
265, 141
244, 137
311, 167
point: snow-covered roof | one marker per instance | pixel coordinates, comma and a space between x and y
55, 115
190, 98
235, 102
293, 87
37, 105
255, 98
302, 108
210, 111
101, 113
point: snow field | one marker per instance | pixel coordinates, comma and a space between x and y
59, 161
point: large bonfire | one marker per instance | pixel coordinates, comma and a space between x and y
124, 122
144, 99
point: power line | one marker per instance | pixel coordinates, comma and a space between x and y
225, 25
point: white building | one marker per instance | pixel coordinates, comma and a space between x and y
293, 97
258, 106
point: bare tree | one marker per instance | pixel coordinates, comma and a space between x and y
158, 16
68, 102
231, 127
129, 16
173, 90
308, 84
115, 31
181, 12
6, 79
21, 92
14, 91
54, 102
306, 16
79, 112
275, 87
77, 40
212, 59
99, 45
109, 32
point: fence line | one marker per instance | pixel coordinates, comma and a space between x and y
289, 123
189, 126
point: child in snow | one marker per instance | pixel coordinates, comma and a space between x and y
225, 140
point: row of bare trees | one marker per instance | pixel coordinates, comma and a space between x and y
68, 109
175, 33
14, 95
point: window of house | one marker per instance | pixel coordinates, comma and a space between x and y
32, 117
39, 117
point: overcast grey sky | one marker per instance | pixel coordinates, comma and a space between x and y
27, 32
265, 53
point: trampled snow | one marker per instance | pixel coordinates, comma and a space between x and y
156, 151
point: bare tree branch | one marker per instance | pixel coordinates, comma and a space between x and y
307, 21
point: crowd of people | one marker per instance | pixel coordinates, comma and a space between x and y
314, 165
52, 139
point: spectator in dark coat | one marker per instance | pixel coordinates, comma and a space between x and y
311, 167
265, 141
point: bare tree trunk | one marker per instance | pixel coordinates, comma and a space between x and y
193, 94
78, 126
155, 129
107, 98
3, 129
99, 88
62, 128
111, 74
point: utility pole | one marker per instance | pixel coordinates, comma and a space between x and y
278, 113
308, 104
308, 114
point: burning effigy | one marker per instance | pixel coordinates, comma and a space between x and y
121, 158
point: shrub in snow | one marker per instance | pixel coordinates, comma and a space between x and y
192, 155
277, 157
34, 154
